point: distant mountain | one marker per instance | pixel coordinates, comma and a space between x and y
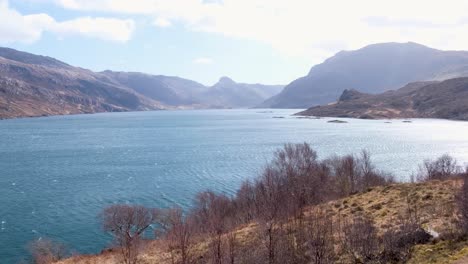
183, 93
447, 99
171, 91
33, 85
227, 93
372, 69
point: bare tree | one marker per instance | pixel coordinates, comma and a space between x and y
353, 174
412, 216
398, 240
440, 169
346, 174
360, 239
463, 205
178, 231
45, 251
245, 202
269, 200
301, 179
232, 247
213, 212
320, 238
370, 176
127, 223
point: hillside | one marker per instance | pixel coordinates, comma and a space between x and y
33, 85
446, 99
171, 91
435, 202
372, 69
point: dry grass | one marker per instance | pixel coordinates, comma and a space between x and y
435, 203
443, 252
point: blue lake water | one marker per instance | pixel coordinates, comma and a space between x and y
57, 173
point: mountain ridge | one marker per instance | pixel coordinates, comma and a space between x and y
374, 68
34, 85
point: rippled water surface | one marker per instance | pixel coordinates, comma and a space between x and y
57, 173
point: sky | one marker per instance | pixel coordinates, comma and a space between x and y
252, 41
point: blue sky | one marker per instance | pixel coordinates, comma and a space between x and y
254, 41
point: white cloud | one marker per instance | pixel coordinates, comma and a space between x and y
101, 28
312, 28
15, 27
203, 60
162, 22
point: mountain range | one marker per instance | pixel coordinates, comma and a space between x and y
373, 69
356, 83
446, 99
33, 85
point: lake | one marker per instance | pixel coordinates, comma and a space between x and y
57, 173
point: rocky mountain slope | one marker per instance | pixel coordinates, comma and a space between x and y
447, 99
169, 90
372, 69
32, 85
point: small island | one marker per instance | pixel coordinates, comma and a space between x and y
337, 121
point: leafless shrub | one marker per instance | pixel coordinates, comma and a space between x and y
391, 251
370, 175
269, 210
299, 172
353, 174
462, 202
252, 252
412, 216
45, 251
232, 248
213, 212
320, 238
442, 168
178, 231
398, 241
360, 239
127, 224
245, 202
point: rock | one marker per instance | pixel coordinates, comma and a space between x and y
337, 121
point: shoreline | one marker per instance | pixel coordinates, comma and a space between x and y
297, 115
132, 111
377, 119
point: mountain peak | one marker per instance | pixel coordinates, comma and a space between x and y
226, 80
396, 45
372, 69
350, 94
385, 47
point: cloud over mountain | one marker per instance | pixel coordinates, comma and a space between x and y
316, 29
